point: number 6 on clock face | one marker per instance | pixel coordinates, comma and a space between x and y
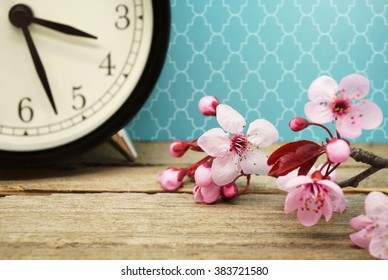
74, 72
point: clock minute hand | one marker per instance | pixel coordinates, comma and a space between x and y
39, 67
20, 16
67, 29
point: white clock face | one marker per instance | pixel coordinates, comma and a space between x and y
88, 78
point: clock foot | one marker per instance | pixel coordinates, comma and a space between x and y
124, 145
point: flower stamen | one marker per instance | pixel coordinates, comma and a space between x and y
340, 106
239, 143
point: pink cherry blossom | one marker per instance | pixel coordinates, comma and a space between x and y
338, 150
207, 105
312, 197
372, 226
281, 181
171, 178
331, 102
237, 152
205, 190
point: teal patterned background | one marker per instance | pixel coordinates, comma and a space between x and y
260, 57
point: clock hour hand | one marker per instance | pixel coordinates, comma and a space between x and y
21, 18
62, 28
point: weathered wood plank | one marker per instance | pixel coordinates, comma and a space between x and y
135, 179
106, 171
167, 226
99, 206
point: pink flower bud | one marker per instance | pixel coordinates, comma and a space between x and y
230, 190
298, 124
208, 194
337, 150
205, 190
198, 197
207, 105
178, 148
203, 175
171, 178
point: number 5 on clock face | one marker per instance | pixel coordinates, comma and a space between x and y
67, 67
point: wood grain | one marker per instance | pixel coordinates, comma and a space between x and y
98, 206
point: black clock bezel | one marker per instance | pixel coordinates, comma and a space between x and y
144, 87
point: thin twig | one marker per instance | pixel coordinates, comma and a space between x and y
354, 181
377, 163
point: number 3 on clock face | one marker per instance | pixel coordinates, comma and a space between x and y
74, 72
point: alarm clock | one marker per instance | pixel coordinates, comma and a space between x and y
73, 73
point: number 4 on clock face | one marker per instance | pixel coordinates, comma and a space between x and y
107, 65
76, 71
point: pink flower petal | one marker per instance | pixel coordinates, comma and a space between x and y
323, 88
368, 114
318, 112
225, 170
355, 86
332, 188
327, 209
254, 162
348, 127
361, 238
376, 205
309, 218
214, 142
211, 193
203, 176
281, 181
262, 133
364, 115
360, 222
198, 194
339, 204
378, 246
229, 119
298, 181
293, 200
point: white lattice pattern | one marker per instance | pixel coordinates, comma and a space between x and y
260, 57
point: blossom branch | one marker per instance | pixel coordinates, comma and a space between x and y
363, 156
354, 181
377, 163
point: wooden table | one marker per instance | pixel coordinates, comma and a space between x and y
98, 206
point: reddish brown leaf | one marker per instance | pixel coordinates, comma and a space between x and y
300, 154
305, 168
285, 149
